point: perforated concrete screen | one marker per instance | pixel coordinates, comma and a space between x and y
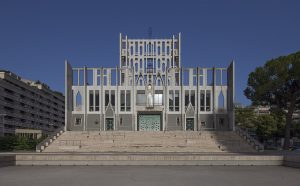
149, 122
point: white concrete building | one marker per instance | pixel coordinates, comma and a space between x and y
150, 90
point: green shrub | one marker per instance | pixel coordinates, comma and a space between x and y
18, 143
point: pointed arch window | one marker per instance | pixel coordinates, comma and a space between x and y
78, 102
221, 101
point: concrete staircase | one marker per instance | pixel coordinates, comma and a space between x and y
149, 142
50, 139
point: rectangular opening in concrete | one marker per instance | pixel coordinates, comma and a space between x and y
151, 121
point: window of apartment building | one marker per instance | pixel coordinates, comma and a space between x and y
9, 91
8, 100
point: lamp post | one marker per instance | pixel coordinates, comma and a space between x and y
3, 115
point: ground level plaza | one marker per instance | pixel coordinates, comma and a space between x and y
149, 175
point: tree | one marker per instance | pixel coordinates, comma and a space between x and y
244, 117
279, 116
265, 126
277, 84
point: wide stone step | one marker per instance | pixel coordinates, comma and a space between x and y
132, 141
146, 159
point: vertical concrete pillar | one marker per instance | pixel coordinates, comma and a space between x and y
231, 94
102, 123
68, 95
85, 98
213, 94
197, 101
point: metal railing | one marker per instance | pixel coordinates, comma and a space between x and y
70, 143
255, 143
47, 140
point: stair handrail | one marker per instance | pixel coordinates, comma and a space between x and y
244, 133
50, 136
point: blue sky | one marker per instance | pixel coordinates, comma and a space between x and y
36, 36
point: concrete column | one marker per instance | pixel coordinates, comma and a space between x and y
213, 94
85, 98
197, 100
102, 122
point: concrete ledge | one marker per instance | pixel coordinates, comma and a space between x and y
7, 160
209, 159
145, 159
292, 161
166, 162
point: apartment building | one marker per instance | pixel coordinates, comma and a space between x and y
26, 104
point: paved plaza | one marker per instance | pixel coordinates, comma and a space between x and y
148, 175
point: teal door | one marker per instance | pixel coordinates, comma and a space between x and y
189, 123
149, 122
109, 124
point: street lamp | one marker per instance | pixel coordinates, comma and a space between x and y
3, 115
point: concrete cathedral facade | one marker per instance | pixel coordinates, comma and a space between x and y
150, 90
